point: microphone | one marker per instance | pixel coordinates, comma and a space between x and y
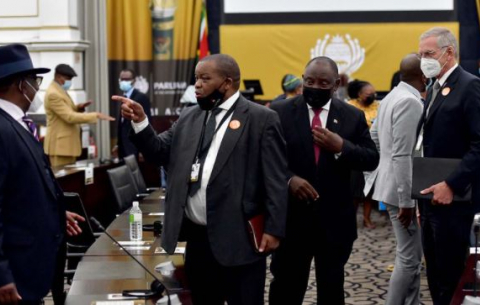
156, 288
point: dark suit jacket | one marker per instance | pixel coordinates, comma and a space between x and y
249, 177
125, 146
331, 178
32, 220
452, 130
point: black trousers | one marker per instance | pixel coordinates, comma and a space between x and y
291, 264
58, 291
445, 239
213, 284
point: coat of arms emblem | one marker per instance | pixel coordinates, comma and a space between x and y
345, 51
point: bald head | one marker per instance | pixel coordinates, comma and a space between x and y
325, 62
410, 68
226, 66
411, 73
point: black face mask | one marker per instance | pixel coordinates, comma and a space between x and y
316, 97
370, 99
210, 101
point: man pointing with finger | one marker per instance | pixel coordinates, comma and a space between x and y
326, 140
226, 163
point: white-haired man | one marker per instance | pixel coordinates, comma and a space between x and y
451, 129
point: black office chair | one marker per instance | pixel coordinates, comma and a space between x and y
142, 189
123, 187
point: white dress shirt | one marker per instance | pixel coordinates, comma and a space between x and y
197, 205
323, 113
443, 79
14, 111
323, 120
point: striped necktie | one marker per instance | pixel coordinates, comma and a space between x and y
31, 126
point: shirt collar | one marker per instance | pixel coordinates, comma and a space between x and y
230, 101
410, 89
443, 79
129, 92
13, 110
325, 107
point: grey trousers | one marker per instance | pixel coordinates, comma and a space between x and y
404, 286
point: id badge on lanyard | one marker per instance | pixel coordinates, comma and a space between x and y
195, 171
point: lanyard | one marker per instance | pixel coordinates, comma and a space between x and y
202, 135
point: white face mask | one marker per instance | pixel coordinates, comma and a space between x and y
36, 103
431, 67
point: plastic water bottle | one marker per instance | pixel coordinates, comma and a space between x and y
135, 222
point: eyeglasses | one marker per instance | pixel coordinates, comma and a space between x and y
38, 79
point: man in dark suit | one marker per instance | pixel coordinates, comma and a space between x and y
32, 218
126, 82
226, 163
321, 221
450, 128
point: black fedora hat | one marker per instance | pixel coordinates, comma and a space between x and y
15, 59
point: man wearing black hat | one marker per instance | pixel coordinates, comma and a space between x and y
62, 142
32, 219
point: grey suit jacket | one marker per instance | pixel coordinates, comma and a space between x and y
394, 134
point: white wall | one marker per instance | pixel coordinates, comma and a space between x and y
50, 30
288, 6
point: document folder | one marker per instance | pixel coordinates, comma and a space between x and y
430, 171
255, 229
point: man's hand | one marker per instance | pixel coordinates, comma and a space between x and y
301, 189
269, 243
81, 107
405, 216
72, 223
327, 140
9, 294
104, 117
442, 193
115, 151
130, 109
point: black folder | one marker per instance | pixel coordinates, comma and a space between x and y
430, 171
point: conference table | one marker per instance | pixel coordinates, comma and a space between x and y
106, 269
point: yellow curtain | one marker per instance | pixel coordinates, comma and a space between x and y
129, 28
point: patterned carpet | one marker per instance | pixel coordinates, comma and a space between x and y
366, 280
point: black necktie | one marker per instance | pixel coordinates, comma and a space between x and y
206, 141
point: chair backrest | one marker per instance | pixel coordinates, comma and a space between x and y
73, 203
123, 186
131, 162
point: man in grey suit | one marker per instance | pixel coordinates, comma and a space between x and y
226, 162
394, 133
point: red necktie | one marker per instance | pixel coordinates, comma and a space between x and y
316, 122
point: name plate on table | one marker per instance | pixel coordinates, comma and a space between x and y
178, 250
135, 302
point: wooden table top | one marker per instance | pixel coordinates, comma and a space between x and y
107, 269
